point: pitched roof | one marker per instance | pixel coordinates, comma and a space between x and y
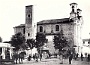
55, 21
86, 39
19, 26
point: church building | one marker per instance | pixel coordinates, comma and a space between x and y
71, 27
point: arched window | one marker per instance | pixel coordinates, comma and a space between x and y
57, 27
41, 29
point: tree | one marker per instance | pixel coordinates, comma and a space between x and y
60, 41
17, 41
0, 39
40, 40
31, 43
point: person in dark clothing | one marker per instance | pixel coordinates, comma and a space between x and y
40, 57
88, 58
49, 55
76, 56
29, 58
36, 57
70, 57
81, 57
33, 56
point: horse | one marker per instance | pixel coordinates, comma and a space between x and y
21, 57
15, 57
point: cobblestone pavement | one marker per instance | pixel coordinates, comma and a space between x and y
53, 61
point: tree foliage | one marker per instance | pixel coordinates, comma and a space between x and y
40, 39
31, 43
60, 41
17, 40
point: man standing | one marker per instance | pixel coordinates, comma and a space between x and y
36, 57
76, 56
81, 57
70, 57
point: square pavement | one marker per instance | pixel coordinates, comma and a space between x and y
52, 61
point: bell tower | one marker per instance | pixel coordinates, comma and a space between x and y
73, 11
28, 21
75, 15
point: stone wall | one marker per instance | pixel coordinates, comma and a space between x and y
28, 22
20, 29
68, 31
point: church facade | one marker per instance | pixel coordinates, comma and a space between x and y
70, 26
54, 27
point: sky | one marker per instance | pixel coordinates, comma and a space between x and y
12, 13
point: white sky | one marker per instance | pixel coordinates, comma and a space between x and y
12, 13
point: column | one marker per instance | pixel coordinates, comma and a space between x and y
3, 53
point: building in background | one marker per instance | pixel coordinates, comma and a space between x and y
27, 28
20, 28
71, 27
28, 22
86, 47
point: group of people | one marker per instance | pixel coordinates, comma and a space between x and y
75, 56
35, 57
70, 57
87, 56
39, 55
19, 57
